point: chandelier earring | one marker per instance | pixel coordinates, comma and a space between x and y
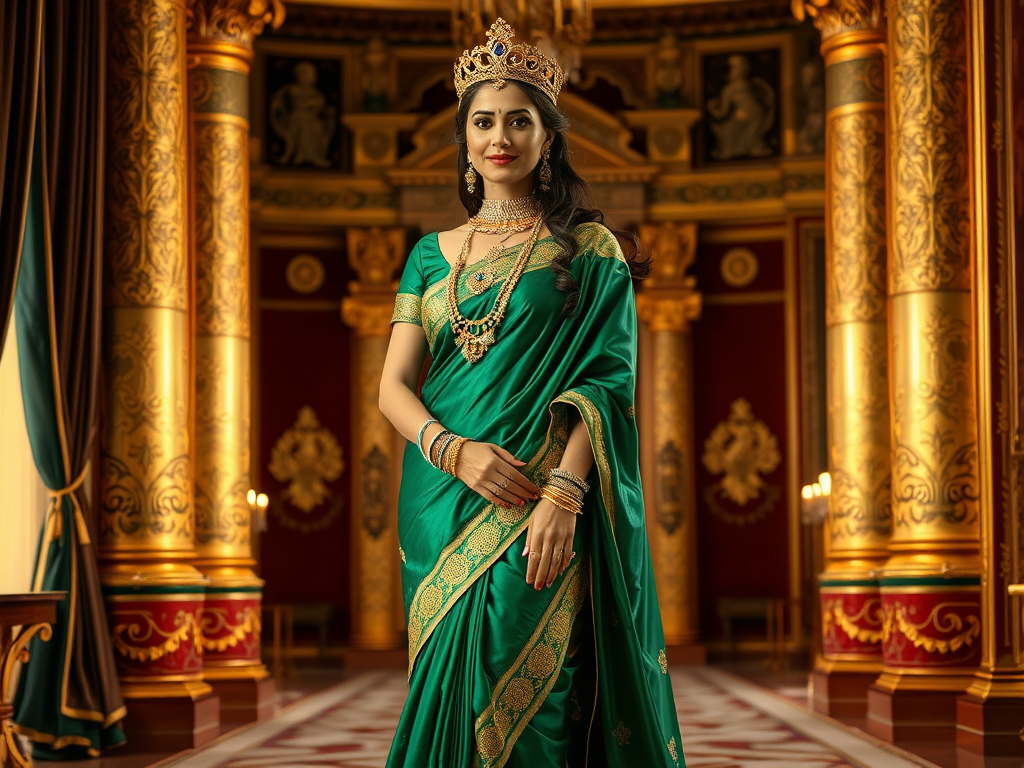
471, 175
545, 171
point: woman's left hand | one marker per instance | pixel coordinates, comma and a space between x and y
548, 543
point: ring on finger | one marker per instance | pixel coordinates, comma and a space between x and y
504, 482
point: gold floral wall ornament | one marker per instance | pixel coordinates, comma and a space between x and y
307, 457
741, 448
375, 254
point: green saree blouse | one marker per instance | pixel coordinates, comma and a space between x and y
501, 674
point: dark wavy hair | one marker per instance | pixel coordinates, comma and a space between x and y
566, 205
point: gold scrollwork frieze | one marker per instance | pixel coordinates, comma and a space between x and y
896, 619
185, 623
215, 620
834, 615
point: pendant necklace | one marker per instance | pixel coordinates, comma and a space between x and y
475, 337
484, 276
500, 217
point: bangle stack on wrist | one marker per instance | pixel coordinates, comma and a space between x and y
565, 490
443, 450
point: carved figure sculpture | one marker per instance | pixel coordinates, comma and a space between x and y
742, 114
300, 115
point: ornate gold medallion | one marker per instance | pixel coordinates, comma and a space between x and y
480, 281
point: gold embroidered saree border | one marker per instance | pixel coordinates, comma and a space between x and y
477, 546
595, 426
524, 687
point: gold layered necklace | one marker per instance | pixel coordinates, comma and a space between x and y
475, 337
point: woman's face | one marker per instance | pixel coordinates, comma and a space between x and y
505, 137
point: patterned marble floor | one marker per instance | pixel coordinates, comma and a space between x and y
726, 722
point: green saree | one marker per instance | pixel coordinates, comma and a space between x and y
501, 674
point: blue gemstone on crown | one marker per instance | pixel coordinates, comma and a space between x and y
498, 49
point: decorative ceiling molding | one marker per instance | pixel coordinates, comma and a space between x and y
621, 20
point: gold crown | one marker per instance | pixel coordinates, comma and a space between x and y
502, 60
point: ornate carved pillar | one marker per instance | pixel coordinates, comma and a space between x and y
990, 713
146, 518
374, 254
930, 585
856, 310
668, 303
220, 35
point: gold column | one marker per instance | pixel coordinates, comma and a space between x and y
930, 584
154, 595
990, 714
220, 35
374, 254
668, 304
856, 318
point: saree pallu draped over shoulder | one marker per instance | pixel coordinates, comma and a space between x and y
501, 674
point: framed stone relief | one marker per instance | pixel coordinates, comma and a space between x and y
303, 104
741, 102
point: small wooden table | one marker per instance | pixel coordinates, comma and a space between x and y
34, 613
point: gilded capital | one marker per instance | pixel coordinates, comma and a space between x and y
833, 17
668, 310
672, 247
375, 254
233, 21
368, 315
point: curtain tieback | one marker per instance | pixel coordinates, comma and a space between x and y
54, 527
53, 519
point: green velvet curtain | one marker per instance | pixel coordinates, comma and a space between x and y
68, 700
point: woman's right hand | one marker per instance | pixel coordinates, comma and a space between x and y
492, 472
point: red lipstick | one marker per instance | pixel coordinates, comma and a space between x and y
502, 159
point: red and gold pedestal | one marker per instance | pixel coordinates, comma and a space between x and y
231, 627
851, 649
154, 614
931, 649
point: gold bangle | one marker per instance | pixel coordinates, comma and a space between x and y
566, 487
561, 495
562, 504
455, 454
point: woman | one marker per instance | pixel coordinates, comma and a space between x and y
534, 632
